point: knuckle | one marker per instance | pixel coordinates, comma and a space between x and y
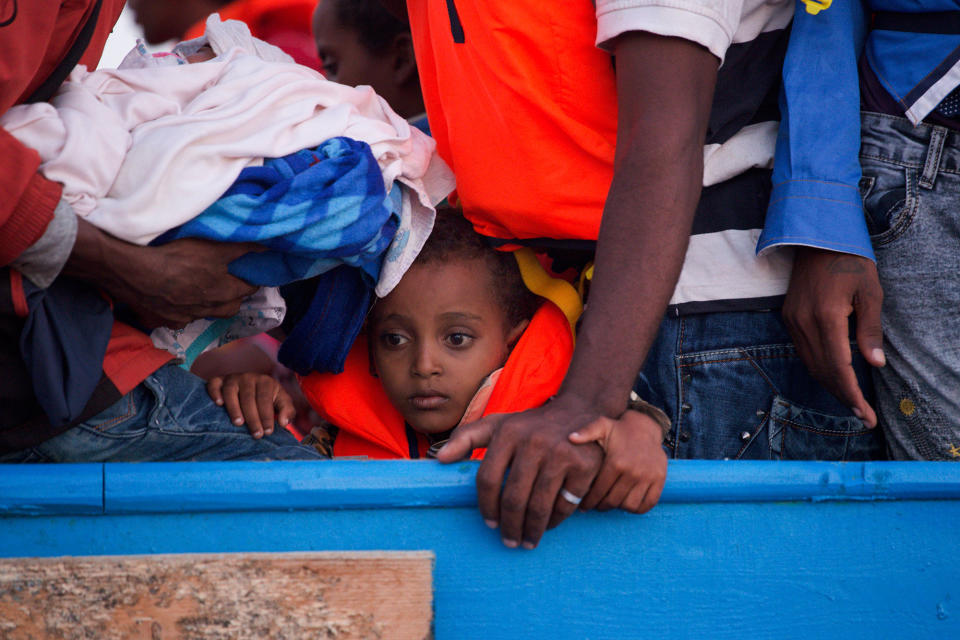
510, 425
646, 505
509, 504
540, 441
538, 513
581, 466
559, 450
621, 466
486, 483
823, 315
585, 463
660, 473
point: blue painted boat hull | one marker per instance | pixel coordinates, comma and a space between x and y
735, 549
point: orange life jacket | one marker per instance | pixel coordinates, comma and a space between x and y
370, 426
508, 79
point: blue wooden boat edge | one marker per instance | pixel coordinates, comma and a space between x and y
194, 487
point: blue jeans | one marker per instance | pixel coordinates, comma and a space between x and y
911, 189
168, 417
735, 388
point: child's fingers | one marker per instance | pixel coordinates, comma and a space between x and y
266, 393
230, 393
601, 486
617, 494
248, 404
597, 431
286, 410
215, 389
642, 497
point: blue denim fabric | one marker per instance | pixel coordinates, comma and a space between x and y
168, 417
911, 189
734, 387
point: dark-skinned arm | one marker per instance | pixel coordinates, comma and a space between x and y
827, 288
816, 203
665, 89
168, 285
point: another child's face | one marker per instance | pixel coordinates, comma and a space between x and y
434, 339
344, 58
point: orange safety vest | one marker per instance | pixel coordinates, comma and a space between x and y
523, 107
370, 426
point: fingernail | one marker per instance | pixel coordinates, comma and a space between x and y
493, 524
219, 402
510, 544
880, 356
238, 421
575, 434
529, 545
857, 412
284, 422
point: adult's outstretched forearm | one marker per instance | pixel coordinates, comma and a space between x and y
663, 114
167, 285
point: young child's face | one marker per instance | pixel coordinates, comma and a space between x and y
344, 58
434, 339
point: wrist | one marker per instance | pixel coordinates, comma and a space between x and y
584, 401
601, 390
647, 409
99, 258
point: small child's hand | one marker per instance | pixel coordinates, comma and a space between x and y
254, 398
634, 464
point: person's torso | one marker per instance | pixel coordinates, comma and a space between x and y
523, 106
917, 64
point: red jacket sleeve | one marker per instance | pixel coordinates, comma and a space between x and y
33, 44
29, 199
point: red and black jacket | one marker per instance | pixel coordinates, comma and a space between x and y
39, 38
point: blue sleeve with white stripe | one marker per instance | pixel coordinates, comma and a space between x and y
816, 200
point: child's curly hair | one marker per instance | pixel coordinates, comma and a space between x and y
453, 237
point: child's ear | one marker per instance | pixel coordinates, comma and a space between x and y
404, 62
514, 334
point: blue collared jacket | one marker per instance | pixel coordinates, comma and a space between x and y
816, 200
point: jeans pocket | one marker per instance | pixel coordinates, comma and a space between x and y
795, 432
890, 200
123, 418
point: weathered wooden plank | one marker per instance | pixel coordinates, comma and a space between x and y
342, 595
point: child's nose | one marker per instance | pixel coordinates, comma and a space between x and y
426, 362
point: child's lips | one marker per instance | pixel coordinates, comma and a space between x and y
428, 400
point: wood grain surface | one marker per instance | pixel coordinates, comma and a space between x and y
347, 595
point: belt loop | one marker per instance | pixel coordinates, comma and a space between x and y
931, 163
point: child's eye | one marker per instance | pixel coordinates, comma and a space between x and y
459, 339
330, 67
393, 339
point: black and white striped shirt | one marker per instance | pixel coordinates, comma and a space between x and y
722, 270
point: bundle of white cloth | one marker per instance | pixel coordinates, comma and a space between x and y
145, 147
